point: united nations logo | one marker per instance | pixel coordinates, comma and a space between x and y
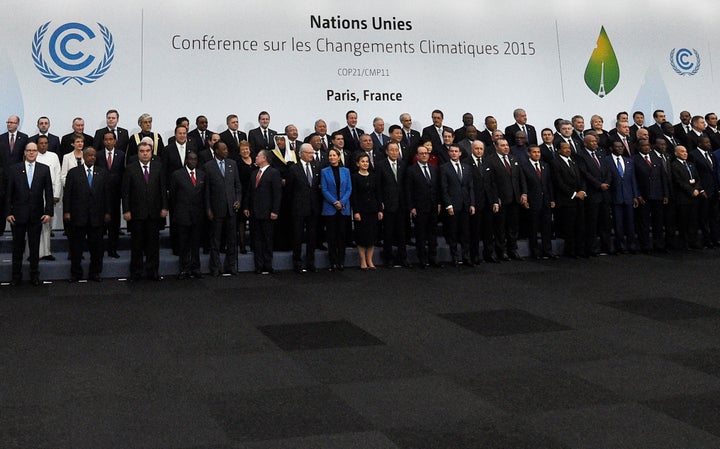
67, 60
684, 61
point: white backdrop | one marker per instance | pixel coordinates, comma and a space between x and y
148, 75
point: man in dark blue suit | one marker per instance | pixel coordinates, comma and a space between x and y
113, 160
12, 143
223, 194
121, 134
28, 205
541, 202
458, 196
379, 139
623, 195
187, 201
653, 192
704, 162
351, 133
262, 137
390, 174
86, 207
263, 207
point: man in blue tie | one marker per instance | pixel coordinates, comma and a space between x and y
28, 205
623, 195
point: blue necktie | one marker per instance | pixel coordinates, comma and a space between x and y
222, 168
90, 176
620, 168
30, 175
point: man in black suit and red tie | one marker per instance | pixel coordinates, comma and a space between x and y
654, 191
121, 134
145, 206
85, 206
173, 159
540, 204
28, 205
521, 124
512, 191
113, 160
263, 207
187, 201
12, 147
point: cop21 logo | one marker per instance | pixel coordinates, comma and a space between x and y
684, 61
66, 56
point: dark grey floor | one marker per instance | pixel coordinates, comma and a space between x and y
611, 352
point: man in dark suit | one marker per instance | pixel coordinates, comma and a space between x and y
655, 129
28, 205
157, 145
578, 133
223, 195
623, 195
687, 187
422, 187
458, 194
705, 165
293, 142
66, 142
340, 144
200, 135
622, 135
321, 131
43, 125
173, 159
521, 125
379, 138
660, 150
113, 161
683, 128
406, 154
547, 147
263, 207
570, 194
411, 137
366, 147
512, 191
712, 130
321, 155
486, 134
304, 183
232, 137
466, 142
351, 132
487, 203
653, 192
541, 202
145, 206
668, 134
565, 135
85, 206
597, 202
696, 132
262, 137
13, 142
121, 134
391, 179
434, 134
638, 123
461, 133
187, 202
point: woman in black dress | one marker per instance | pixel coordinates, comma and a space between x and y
245, 165
366, 211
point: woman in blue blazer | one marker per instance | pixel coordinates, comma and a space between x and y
336, 188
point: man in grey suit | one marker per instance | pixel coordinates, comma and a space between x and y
222, 201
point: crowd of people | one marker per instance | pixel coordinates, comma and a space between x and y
637, 187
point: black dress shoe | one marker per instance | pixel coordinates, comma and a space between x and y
504, 258
15, 282
312, 269
467, 263
215, 274
196, 275
514, 255
36, 281
341, 267
405, 264
437, 264
156, 277
491, 259
95, 278
113, 254
183, 276
476, 260
49, 258
74, 279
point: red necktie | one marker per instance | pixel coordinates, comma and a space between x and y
537, 170
507, 164
192, 178
257, 178
109, 160
12, 142
647, 159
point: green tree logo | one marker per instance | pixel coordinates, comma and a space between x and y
602, 73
